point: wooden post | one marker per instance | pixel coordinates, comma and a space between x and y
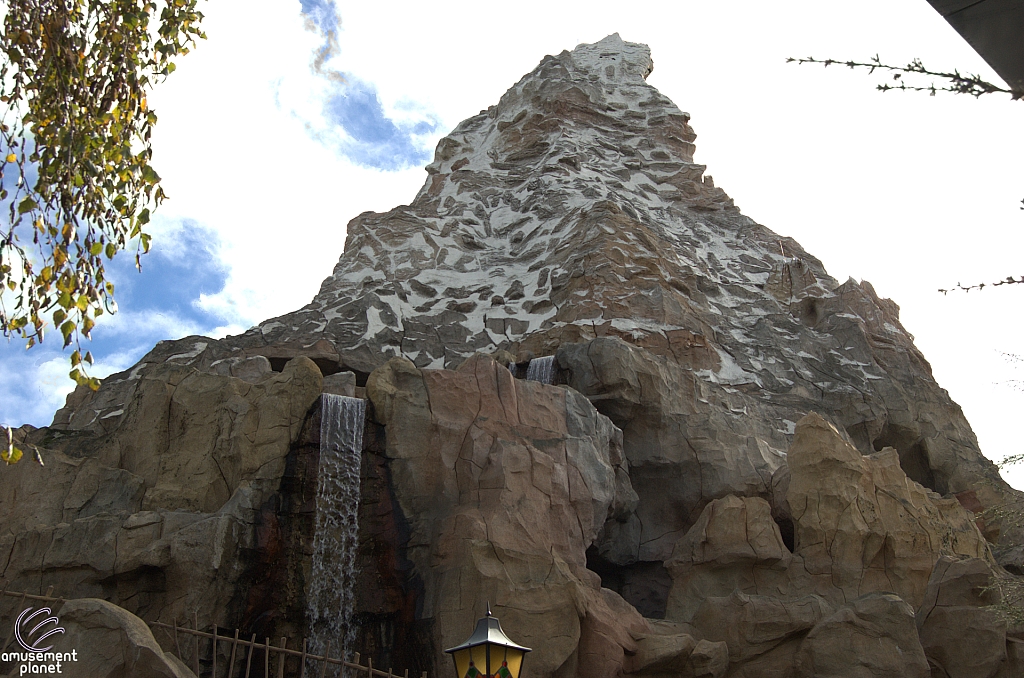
280, 661
266, 661
302, 668
176, 643
369, 667
231, 662
196, 619
214, 641
49, 591
327, 655
248, 661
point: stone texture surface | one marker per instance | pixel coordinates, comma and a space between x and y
157, 511
738, 443
873, 636
862, 525
960, 635
506, 483
859, 523
734, 546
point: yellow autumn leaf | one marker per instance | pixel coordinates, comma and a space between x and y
11, 157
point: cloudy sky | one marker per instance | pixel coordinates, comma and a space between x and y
273, 134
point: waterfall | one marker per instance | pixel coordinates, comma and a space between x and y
330, 596
542, 370
514, 369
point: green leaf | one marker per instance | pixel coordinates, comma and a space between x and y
149, 175
27, 205
67, 328
11, 455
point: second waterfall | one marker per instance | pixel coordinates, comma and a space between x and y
330, 597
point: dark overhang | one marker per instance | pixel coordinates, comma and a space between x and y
995, 29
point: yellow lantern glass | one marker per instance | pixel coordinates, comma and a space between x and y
488, 653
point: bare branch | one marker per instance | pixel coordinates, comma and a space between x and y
954, 82
1008, 280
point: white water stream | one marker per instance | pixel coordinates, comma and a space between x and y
542, 369
330, 597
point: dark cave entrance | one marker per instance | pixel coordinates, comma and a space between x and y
913, 452
645, 585
788, 532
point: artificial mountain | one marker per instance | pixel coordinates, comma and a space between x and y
742, 467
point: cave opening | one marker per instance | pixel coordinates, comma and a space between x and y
326, 366
644, 584
788, 532
913, 453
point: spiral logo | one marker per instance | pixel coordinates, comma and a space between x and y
42, 627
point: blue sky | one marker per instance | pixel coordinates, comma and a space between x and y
165, 300
157, 303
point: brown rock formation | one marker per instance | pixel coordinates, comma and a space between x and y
746, 469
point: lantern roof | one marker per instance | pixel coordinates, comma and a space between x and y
488, 630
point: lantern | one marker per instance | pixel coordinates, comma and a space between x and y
488, 653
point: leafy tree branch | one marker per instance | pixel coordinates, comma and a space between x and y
76, 182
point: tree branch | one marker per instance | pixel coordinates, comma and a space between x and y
954, 81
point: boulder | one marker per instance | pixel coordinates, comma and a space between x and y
760, 631
734, 545
341, 383
961, 636
861, 525
678, 655
874, 636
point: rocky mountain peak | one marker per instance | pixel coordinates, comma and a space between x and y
571, 215
626, 59
733, 465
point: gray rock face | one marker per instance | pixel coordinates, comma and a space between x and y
657, 511
572, 211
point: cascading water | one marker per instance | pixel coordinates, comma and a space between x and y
542, 370
330, 592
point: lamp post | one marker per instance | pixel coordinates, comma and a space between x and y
488, 653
